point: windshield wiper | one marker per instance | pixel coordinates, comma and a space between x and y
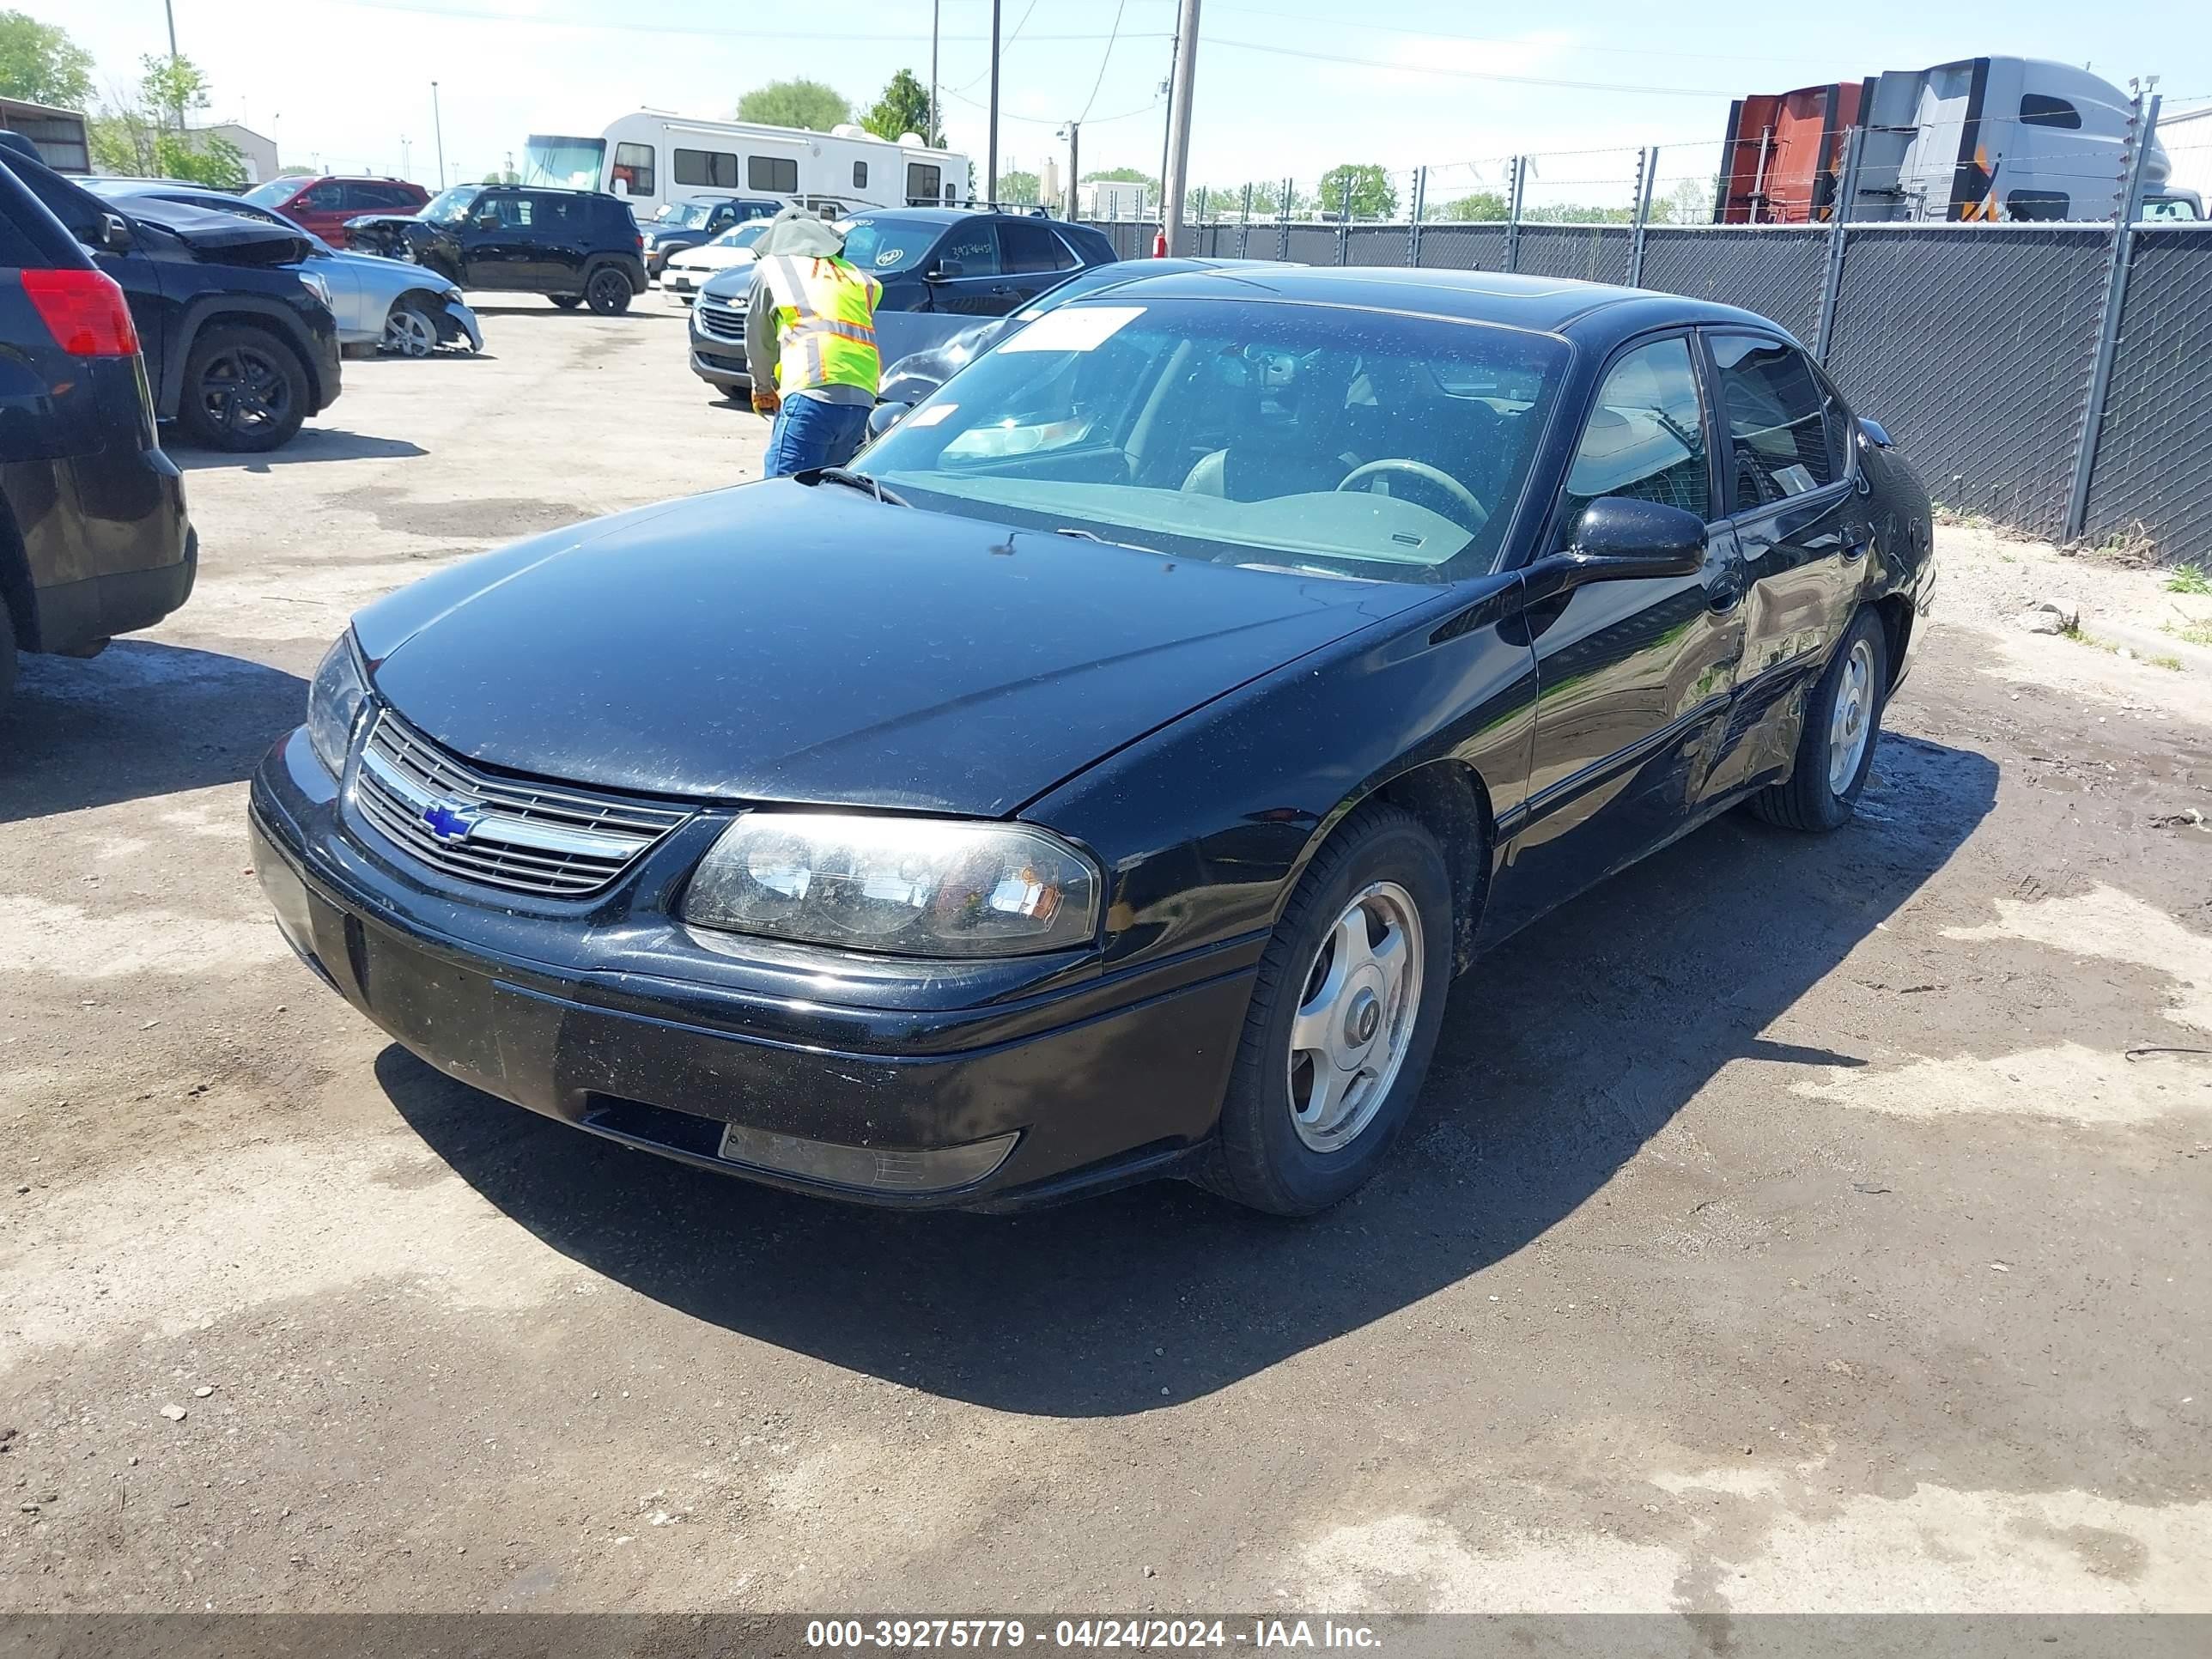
1105, 541
852, 480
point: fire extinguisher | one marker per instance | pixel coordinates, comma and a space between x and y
1160, 243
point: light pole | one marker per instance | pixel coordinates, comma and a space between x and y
438, 128
169, 11
991, 180
930, 137
1073, 133
406, 164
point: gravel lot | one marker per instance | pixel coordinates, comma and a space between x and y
1785, 1225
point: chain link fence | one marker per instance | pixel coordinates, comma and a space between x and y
1974, 345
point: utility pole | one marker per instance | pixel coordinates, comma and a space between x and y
991, 180
1073, 133
1176, 173
931, 135
439, 127
406, 166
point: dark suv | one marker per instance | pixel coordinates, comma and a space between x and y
573, 245
950, 260
698, 221
240, 350
93, 540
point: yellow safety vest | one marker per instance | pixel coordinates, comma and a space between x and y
825, 323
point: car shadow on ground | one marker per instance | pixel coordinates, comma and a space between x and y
312, 443
1563, 1053
646, 306
141, 718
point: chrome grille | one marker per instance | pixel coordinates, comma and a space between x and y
527, 837
722, 318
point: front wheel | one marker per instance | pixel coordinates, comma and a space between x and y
245, 391
1343, 1020
1835, 749
410, 332
607, 291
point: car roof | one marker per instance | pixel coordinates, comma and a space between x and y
1596, 312
953, 215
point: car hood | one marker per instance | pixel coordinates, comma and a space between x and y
229, 238
806, 644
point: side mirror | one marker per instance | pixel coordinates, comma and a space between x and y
945, 270
1872, 432
884, 416
1620, 538
115, 235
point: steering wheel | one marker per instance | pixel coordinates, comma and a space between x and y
1428, 475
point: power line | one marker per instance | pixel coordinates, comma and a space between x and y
1005, 47
1471, 75
1105, 59
1368, 27
477, 15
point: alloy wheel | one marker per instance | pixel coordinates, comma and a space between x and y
1851, 721
1356, 1016
244, 391
410, 333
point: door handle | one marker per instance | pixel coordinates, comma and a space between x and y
1858, 550
1001, 289
1725, 595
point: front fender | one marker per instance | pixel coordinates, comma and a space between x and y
203, 310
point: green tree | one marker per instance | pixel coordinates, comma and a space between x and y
1689, 203
1373, 195
904, 108
807, 104
1570, 213
1018, 189
40, 63
1122, 176
139, 135
1478, 207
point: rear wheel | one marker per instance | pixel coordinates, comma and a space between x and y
7, 656
566, 301
245, 391
1343, 1020
606, 290
1835, 750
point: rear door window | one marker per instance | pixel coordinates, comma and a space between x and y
1027, 244
1779, 444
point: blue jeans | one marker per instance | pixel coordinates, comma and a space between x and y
810, 433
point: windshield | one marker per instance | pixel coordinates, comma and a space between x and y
886, 243
450, 207
742, 236
688, 216
1290, 436
275, 193
569, 163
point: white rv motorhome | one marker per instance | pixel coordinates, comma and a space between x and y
658, 160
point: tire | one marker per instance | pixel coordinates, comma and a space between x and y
1281, 1147
409, 331
245, 390
566, 301
7, 657
1835, 751
606, 290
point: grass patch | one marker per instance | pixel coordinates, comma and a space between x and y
2189, 579
2203, 636
2191, 633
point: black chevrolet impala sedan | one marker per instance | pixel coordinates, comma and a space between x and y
1105, 777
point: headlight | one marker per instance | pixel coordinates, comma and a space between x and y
334, 703
316, 285
905, 886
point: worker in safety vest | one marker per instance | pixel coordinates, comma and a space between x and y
811, 344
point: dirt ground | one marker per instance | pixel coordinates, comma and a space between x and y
1792, 1223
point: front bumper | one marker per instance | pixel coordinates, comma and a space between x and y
721, 367
460, 323
611, 1018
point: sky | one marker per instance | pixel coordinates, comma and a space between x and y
1284, 87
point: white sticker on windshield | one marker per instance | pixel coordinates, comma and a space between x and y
933, 414
1074, 328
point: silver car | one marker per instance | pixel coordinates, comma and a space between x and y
386, 304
